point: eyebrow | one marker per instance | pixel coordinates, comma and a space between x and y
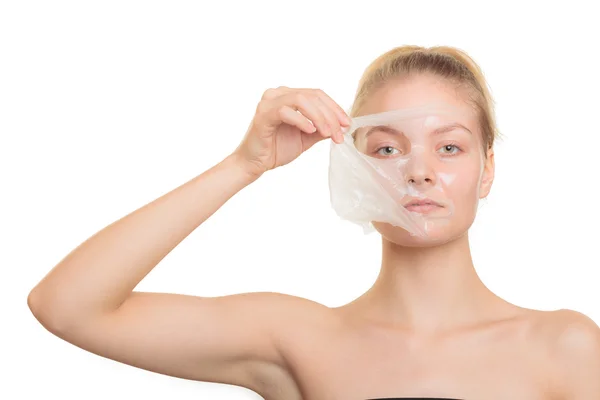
437, 131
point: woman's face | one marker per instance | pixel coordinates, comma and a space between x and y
453, 161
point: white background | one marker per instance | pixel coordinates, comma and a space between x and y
105, 106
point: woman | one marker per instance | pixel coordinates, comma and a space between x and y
427, 327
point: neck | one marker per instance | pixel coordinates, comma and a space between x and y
429, 288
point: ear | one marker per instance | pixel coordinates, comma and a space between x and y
488, 175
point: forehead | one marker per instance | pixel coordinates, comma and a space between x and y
415, 91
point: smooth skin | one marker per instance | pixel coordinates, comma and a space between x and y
286, 347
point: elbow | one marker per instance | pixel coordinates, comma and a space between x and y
45, 311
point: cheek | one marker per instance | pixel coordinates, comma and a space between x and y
462, 191
462, 186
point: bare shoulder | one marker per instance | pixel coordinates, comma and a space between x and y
573, 342
293, 318
293, 315
297, 324
300, 321
577, 337
569, 331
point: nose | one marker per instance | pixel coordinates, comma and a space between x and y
419, 172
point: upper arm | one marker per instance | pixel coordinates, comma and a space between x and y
226, 339
577, 350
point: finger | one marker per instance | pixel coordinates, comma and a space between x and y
343, 118
273, 93
294, 118
331, 118
299, 101
341, 115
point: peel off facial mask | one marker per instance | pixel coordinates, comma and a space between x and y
396, 167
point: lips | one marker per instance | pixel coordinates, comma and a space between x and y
421, 205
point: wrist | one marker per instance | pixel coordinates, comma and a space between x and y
248, 170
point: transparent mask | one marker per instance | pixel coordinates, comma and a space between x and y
397, 166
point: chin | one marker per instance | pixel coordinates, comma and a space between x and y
438, 232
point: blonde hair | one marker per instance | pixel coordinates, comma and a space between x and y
444, 61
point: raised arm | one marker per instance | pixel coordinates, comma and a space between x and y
88, 299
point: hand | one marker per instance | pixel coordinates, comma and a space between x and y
287, 123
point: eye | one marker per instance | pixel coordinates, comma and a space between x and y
387, 151
450, 149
